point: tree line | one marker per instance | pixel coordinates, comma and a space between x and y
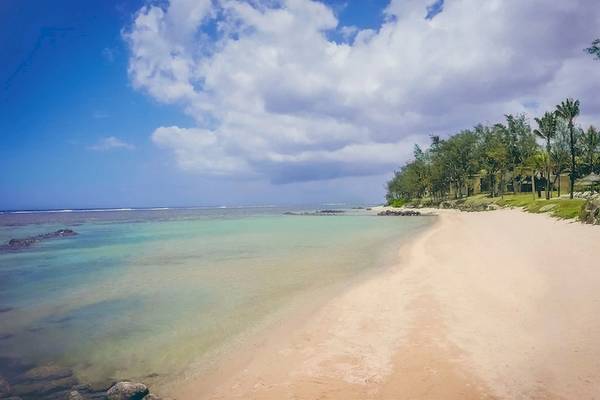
505, 156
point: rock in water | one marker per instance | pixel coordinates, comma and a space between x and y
127, 391
152, 397
399, 213
37, 389
75, 395
17, 244
46, 372
4, 388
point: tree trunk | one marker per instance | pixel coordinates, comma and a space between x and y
559, 182
533, 183
572, 177
514, 186
547, 183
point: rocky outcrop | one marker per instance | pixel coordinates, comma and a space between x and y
39, 388
46, 372
23, 381
75, 395
399, 213
4, 388
153, 397
18, 244
127, 391
317, 213
590, 213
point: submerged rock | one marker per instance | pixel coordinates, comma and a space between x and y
37, 389
45, 372
152, 396
6, 336
4, 388
18, 244
316, 213
399, 213
127, 391
75, 395
100, 386
11, 367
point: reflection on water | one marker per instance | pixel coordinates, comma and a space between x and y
140, 292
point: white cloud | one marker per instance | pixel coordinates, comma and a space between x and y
111, 143
273, 96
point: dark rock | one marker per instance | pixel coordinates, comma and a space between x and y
4, 388
11, 367
399, 213
39, 388
152, 396
127, 391
75, 395
317, 213
5, 336
60, 395
18, 244
590, 213
101, 386
45, 372
6, 309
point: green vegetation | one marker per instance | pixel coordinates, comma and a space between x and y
594, 49
561, 208
398, 202
503, 165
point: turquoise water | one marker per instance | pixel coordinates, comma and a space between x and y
150, 292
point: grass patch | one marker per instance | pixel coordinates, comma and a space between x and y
398, 203
557, 207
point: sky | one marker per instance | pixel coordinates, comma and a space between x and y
225, 102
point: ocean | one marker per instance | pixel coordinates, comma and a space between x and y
151, 292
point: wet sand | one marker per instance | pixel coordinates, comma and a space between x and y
500, 304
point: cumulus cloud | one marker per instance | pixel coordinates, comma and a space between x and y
273, 96
111, 143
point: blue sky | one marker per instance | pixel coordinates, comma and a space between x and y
78, 130
65, 87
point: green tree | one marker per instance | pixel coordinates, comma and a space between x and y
594, 49
494, 156
520, 143
590, 144
547, 131
458, 161
569, 110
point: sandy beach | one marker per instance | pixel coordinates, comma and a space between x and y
500, 304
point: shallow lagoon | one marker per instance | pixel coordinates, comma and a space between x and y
146, 293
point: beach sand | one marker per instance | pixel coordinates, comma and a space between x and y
500, 304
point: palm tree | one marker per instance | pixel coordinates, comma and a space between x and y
569, 110
591, 142
594, 49
546, 130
